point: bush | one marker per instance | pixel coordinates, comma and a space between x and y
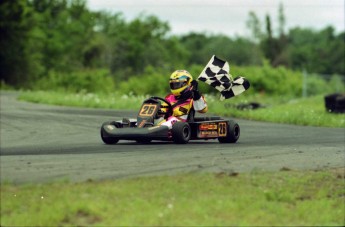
155, 81
152, 82
336, 84
285, 82
4, 86
78, 81
272, 81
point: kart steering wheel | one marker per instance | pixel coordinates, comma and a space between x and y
170, 108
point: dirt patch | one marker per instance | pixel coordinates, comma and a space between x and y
81, 218
339, 172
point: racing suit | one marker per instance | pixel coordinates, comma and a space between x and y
182, 108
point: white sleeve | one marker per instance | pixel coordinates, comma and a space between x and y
199, 104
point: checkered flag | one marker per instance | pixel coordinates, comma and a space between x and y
216, 73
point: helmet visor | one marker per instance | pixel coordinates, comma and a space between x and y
177, 84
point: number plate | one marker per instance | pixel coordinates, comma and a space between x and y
222, 129
148, 110
209, 130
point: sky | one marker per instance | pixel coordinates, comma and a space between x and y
229, 17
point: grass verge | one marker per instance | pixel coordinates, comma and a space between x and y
307, 111
270, 199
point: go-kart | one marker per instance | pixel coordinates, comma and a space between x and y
144, 129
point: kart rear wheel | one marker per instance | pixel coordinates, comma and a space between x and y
181, 132
109, 140
233, 133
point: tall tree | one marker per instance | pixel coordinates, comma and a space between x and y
282, 57
269, 44
254, 25
318, 52
19, 43
68, 28
281, 20
275, 48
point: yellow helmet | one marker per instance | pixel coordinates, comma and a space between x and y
179, 81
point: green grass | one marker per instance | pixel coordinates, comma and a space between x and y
91, 100
254, 199
304, 111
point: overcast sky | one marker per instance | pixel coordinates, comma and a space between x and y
228, 16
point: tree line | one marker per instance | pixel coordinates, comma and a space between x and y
39, 37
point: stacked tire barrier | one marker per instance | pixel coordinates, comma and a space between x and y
335, 103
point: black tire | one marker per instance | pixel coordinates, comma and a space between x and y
233, 133
181, 132
109, 140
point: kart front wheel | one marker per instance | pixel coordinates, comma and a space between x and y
181, 132
232, 134
109, 140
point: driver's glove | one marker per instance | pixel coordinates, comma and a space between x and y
196, 93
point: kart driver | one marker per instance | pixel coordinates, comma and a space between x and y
184, 98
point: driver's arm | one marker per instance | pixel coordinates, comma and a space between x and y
199, 102
200, 105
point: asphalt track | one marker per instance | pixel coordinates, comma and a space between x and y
43, 143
